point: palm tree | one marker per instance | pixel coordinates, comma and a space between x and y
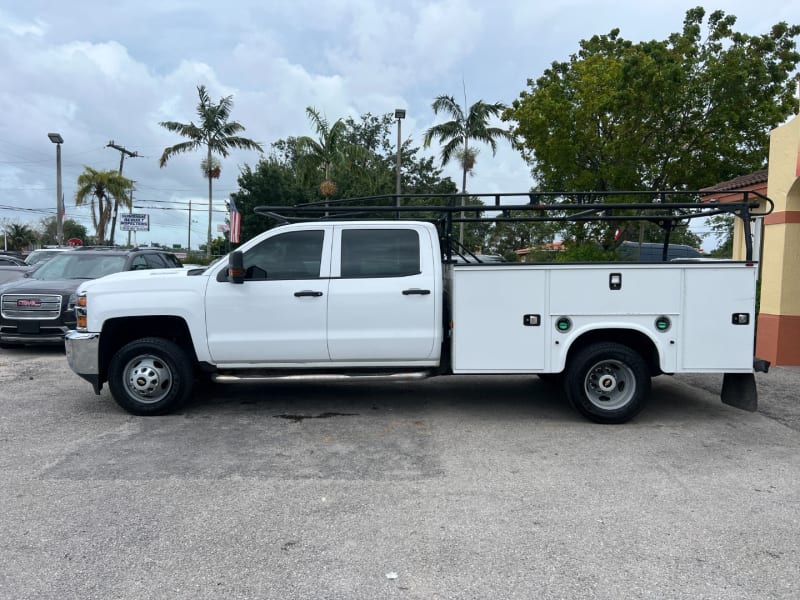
19, 237
102, 187
323, 152
456, 134
214, 132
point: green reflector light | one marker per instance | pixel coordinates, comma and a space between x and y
563, 324
662, 323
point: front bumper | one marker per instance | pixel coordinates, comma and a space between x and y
83, 356
12, 333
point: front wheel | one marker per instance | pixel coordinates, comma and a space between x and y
150, 376
607, 382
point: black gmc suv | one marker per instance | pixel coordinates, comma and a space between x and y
39, 308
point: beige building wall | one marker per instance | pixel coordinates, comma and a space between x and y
779, 317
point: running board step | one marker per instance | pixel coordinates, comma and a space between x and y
244, 377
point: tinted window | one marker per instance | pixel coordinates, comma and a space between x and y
155, 261
138, 263
172, 261
380, 252
291, 255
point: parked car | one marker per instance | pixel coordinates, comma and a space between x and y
654, 251
39, 307
9, 272
10, 260
45, 254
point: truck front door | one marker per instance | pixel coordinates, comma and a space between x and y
279, 314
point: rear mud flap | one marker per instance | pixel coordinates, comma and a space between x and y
739, 390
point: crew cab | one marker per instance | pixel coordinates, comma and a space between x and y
338, 298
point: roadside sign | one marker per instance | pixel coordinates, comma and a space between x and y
134, 222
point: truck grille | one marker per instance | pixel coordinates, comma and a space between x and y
31, 306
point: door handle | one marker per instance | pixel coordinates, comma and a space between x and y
416, 291
311, 293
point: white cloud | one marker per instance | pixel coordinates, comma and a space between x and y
114, 70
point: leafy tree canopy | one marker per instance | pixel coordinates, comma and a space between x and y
364, 164
682, 113
685, 112
19, 236
72, 229
99, 188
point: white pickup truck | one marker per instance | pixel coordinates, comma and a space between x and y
383, 298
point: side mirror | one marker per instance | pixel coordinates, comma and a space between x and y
235, 267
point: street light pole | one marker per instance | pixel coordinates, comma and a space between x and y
58, 140
399, 114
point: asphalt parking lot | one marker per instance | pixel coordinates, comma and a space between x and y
445, 488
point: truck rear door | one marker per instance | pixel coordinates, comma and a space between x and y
384, 298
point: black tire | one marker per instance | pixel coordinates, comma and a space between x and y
607, 382
150, 376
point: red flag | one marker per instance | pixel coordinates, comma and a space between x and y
236, 222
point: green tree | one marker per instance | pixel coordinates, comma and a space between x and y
215, 132
465, 126
325, 151
722, 228
682, 113
19, 236
48, 228
271, 182
365, 166
102, 189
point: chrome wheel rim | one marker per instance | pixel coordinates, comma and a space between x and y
148, 379
610, 385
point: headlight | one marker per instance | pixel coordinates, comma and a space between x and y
80, 310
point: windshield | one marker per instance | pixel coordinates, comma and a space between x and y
79, 265
38, 256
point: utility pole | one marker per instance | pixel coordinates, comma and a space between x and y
58, 140
130, 211
122, 153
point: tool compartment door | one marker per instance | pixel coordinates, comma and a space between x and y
491, 305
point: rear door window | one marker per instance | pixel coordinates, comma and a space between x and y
380, 253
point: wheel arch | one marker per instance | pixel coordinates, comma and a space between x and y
118, 332
634, 339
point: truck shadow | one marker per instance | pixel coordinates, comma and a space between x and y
478, 397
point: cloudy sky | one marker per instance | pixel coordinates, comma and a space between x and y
100, 71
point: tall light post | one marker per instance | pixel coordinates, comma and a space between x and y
399, 114
58, 140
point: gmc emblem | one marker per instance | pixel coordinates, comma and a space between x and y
29, 302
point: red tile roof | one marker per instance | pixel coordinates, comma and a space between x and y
738, 183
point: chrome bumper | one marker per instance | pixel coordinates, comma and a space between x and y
82, 356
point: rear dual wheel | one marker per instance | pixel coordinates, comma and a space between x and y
607, 382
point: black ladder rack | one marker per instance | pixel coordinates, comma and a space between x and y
667, 209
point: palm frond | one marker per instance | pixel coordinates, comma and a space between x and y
449, 105
178, 149
451, 149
